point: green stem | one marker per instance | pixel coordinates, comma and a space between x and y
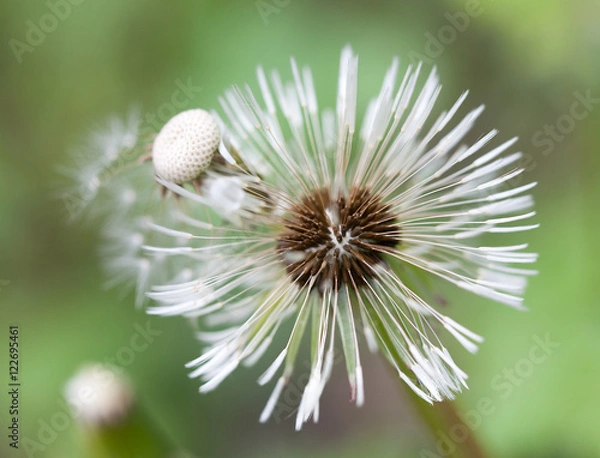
135, 436
443, 421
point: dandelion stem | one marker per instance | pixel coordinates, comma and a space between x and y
453, 438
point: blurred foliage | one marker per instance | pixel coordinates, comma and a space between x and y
525, 60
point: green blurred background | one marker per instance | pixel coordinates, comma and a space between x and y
528, 62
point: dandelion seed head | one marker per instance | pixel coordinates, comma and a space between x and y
337, 224
101, 395
330, 241
185, 146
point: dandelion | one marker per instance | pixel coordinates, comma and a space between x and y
97, 160
305, 216
100, 395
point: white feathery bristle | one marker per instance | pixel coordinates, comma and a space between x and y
225, 194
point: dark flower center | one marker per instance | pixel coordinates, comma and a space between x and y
330, 241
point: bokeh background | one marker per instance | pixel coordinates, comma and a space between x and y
531, 63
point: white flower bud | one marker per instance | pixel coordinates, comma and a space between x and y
185, 146
99, 395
